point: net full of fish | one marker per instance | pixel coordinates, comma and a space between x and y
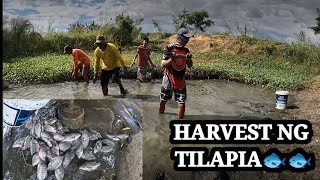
53, 147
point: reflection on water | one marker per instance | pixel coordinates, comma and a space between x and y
100, 115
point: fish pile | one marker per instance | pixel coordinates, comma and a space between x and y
53, 146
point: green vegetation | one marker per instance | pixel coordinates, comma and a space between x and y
32, 57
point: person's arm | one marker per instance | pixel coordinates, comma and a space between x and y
134, 59
149, 57
189, 59
167, 58
96, 60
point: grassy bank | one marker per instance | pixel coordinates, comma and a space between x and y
274, 71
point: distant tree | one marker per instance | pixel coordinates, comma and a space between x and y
316, 29
156, 25
197, 20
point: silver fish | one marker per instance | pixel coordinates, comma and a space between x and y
130, 121
59, 173
58, 137
34, 146
66, 130
18, 143
89, 166
63, 146
55, 148
42, 153
50, 121
47, 141
87, 155
42, 170
55, 163
97, 146
69, 155
75, 144
85, 138
97, 134
37, 130
59, 125
71, 137
45, 134
108, 142
35, 159
79, 151
113, 137
49, 129
51, 155
106, 149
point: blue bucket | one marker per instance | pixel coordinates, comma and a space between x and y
16, 112
282, 99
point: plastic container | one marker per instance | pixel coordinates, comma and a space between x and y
17, 111
282, 99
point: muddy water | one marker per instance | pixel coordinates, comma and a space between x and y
101, 116
207, 99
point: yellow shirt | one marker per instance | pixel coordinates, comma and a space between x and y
108, 59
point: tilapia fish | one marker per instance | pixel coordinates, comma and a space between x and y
18, 143
34, 146
85, 138
69, 155
106, 149
89, 166
35, 159
49, 129
97, 146
55, 163
71, 137
63, 146
87, 155
58, 137
59, 173
42, 170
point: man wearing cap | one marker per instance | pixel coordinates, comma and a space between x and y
84, 65
144, 61
109, 58
175, 59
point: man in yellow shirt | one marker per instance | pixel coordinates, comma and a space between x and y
109, 59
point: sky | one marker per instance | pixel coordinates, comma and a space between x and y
279, 20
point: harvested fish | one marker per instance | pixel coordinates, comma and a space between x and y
49, 129
75, 144
42, 170
63, 146
37, 130
55, 163
51, 155
47, 141
106, 149
58, 137
108, 142
97, 146
34, 146
45, 134
18, 143
50, 121
130, 121
85, 137
55, 148
95, 133
89, 166
71, 137
35, 159
59, 125
87, 155
59, 173
69, 155
42, 153
79, 151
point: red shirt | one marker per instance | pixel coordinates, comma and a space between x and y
143, 55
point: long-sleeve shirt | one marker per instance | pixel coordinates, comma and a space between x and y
79, 56
107, 59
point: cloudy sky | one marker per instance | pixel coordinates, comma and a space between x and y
279, 20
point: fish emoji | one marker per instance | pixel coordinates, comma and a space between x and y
273, 161
299, 161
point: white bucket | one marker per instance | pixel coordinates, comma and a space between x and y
17, 111
282, 99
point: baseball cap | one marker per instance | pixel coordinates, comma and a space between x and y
184, 32
100, 39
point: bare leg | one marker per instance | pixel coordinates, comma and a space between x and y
85, 73
181, 110
162, 106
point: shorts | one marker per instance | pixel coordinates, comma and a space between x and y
180, 95
144, 73
107, 75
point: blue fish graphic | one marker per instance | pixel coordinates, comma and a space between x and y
273, 161
299, 161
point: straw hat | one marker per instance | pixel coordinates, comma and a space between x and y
100, 39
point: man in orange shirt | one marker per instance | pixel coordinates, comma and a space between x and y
144, 61
84, 65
